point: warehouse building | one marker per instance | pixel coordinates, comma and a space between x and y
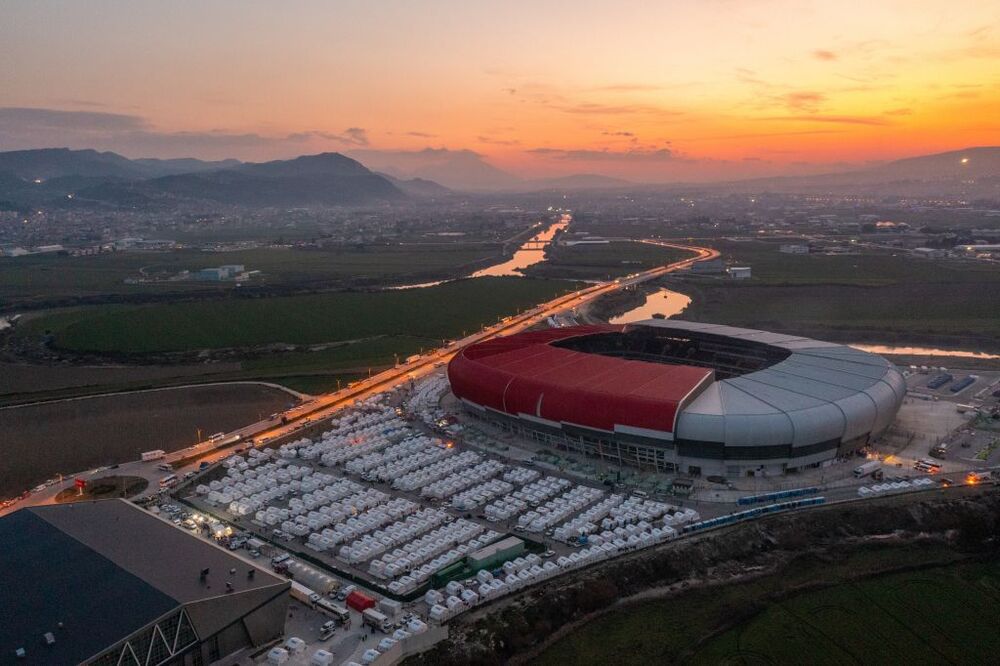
677, 396
107, 583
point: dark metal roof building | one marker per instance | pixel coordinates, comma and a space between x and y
109, 583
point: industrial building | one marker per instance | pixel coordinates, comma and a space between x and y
107, 583
227, 272
739, 272
682, 396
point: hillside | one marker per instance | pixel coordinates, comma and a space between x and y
972, 173
328, 178
39, 177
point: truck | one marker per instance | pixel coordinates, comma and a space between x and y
867, 468
326, 631
376, 620
940, 451
148, 456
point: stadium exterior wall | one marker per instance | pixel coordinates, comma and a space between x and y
820, 402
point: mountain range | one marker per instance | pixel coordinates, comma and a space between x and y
972, 173
59, 176
87, 177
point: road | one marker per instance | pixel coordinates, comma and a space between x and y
324, 406
327, 405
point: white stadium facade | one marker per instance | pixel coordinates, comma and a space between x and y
694, 398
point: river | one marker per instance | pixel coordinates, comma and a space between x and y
663, 302
529, 253
671, 303
924, 351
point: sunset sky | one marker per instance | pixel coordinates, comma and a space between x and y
651, 91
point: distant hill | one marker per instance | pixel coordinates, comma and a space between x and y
324, 179
48, 163
48, 176
419, 187
462, 170
973, 173
55, 162
158, 167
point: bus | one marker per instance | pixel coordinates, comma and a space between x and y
925, 465
169, 481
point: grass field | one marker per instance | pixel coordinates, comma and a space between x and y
868, 297
927, 617
432, 313
51, 277
39, 441
870, 268
309, 372
603, 261
938, 615
317, 384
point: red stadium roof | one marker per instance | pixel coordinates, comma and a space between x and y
525, 374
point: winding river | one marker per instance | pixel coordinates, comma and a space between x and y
924, 351
664, 301
529, 254
671, 303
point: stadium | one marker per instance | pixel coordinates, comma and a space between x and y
678, 396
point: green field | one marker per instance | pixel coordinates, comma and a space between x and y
51, 277
932, 616
869, 268
867, 297
603, 261
433, 314
927, 617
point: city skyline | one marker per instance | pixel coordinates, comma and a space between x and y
651, 92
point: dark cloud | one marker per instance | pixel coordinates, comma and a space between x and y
594, 108
13, 116
823, 54
762, 135
842, 120
806, 100
352, 136
23, 128
421, 135
637, 155
627, 87
619, 133
80, 102
423, 153
498, 142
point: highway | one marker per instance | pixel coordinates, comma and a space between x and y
325, 406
